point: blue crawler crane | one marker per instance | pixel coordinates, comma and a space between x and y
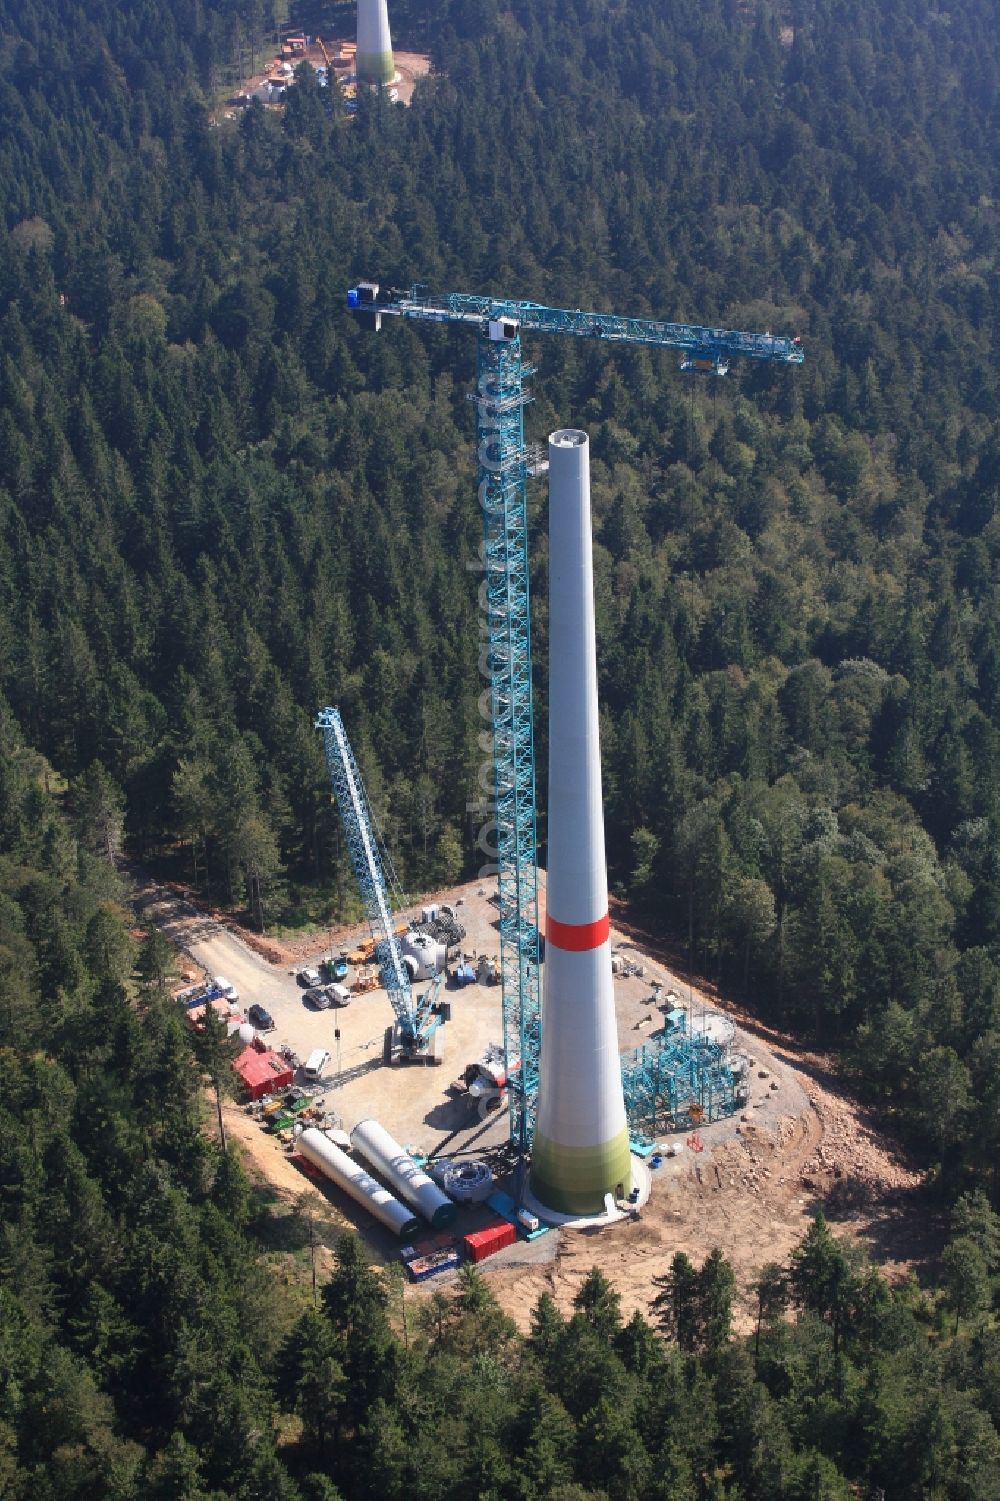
417, 1017
504, 465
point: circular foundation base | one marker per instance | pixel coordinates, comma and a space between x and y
640, 1179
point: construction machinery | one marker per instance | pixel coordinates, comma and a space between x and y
410, 1039
504, 464
487, 1081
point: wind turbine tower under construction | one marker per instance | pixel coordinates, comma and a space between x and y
374, 60
580, 1152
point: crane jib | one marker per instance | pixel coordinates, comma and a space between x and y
696, 340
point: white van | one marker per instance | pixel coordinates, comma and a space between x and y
315, 1065
227, 988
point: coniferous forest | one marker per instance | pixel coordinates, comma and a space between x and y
223, 505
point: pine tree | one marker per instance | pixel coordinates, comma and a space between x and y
676, 1305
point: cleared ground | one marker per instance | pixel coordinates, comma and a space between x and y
751, 1189
410, 66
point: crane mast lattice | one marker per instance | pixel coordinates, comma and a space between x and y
503, 465
416, 1019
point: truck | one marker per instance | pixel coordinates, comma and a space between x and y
316, 1064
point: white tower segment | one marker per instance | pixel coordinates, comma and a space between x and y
374, 60
581, 1146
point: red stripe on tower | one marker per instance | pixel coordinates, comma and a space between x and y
577, 937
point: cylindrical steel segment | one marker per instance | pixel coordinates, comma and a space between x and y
399, 1169
352, 1178
374, 62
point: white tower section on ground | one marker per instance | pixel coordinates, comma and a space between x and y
581, 1150
352, 1178
374, 60
398, 1168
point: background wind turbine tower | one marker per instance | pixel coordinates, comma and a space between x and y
374, 59
581, 1145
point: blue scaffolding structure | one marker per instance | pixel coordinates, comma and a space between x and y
678, 1079
503, 465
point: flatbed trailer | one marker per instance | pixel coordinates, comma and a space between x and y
422, 1267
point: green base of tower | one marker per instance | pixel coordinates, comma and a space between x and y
375, 67
574, 1180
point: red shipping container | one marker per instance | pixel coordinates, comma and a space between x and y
482, 1243
475, 1250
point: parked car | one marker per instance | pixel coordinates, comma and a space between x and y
317, 997
227, 988
310, 978
261, 1018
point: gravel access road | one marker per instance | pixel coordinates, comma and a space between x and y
218, 951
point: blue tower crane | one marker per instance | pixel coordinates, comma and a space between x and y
504, 464
416, 1018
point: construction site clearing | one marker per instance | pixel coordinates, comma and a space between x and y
333, 57
747, 1183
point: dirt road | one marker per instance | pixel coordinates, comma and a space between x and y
214, 947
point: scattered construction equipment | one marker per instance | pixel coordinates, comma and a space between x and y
430, 1264
486, 1081
626, 968
362, 953
443, 927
